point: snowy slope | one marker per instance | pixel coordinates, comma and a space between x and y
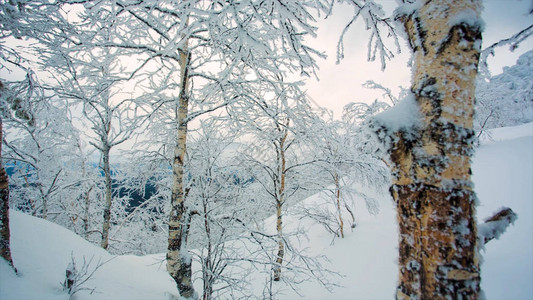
366, 257
42, 250
503, 175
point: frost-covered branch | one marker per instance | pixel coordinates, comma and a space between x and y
513, 42
381, 28
496, 225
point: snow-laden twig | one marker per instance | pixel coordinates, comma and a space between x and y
496, 225
381, 29
513, 42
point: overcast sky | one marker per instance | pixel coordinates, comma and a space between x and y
342, 84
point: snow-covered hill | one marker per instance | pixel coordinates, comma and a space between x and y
503, 175
42, 251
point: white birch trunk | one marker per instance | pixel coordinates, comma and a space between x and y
439, 253
108, 198
282, 166
178, 258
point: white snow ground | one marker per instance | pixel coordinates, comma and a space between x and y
503, 175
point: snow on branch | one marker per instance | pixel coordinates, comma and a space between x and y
403, 116
468, 17
513, 42
496, 225
381, 29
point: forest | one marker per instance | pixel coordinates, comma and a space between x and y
183, 129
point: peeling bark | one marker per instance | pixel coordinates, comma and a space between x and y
431, 164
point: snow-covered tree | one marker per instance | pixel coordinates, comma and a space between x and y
430, 138
92, 78
8, 103
220, 216
380, 27
507, 98
196, 57
19, 19
33, 152
349, 171
279, 124
431, 146
5, 242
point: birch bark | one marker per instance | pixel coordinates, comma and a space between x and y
432, 186
178, 259
282, 166
108, 196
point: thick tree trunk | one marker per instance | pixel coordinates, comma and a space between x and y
5, 248
108, 198
439, 254
178, 258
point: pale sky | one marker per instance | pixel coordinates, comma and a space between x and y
342, 84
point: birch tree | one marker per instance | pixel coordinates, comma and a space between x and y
5, 238
38, 21
347, 169
216, 192
279, 123
431, 150
430, 134
196, 56
7, 102
108, 118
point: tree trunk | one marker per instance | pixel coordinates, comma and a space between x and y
178, 258
207, 273
281, 245
44, 200
280, 201
87, 201
5, 248
338, 202
439, 254
108, 198
87, 216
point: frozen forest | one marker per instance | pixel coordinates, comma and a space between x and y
173, 150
